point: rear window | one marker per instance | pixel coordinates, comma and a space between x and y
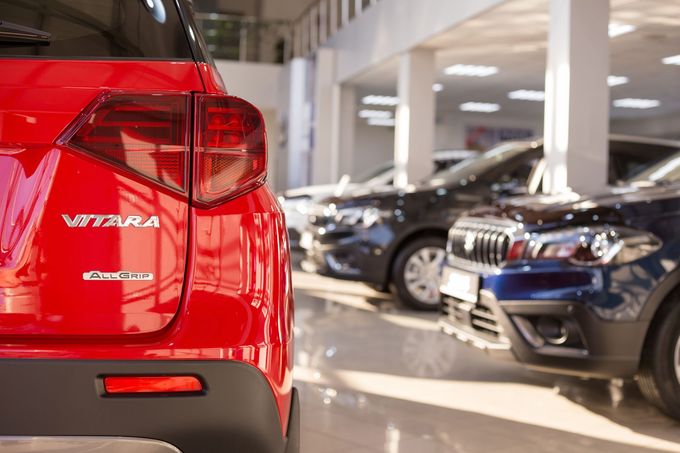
149, 29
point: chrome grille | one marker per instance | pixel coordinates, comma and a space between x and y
480, 242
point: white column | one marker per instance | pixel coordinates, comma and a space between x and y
577, 96
298, 124
344, 121
414, 133
322, 157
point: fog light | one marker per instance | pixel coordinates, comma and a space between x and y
553, 330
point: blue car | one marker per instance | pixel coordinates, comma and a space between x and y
579, 285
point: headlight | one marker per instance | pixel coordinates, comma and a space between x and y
588, 246
363, 216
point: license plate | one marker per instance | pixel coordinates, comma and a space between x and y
306, 240
460, 284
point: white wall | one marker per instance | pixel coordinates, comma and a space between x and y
661, 127
450, 128
373, 146
259, 84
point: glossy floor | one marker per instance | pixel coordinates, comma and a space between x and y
377, 378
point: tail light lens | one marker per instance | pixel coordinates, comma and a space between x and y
117, 385
149, 134
230, 149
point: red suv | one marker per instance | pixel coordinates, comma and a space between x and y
145, 295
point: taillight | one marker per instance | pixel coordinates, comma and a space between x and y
230, 148
117, 385
146, 134
149, 134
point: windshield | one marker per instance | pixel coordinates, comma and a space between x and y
476, 167
665, 172
378, 171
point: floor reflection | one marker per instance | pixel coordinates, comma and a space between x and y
377, 378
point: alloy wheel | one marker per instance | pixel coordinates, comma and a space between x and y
421, 274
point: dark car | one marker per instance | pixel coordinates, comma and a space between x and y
399, 236
582, 285
135, 231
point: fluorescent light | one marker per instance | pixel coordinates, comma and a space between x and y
380, 100
468, 70
631, 103
389, 122
437, 87
375, 114
483, 107
613, 80
527, 95
672, 60
617, 29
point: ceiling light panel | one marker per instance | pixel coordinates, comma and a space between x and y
614, 81
675, 59
618, 29
527, 95
480, 107
468, 70
388, 122
380, 100
642, 104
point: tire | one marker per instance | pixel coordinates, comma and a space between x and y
414, 278
659, 377
378, 288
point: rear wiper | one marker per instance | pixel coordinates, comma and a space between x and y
10, 33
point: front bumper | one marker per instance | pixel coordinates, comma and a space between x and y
345, 255
502, 329
64, 398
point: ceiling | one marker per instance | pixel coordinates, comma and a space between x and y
513, 37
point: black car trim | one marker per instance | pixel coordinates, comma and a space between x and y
61, 398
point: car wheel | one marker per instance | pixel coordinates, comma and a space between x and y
659, 377
416, 273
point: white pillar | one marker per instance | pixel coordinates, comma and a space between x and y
344, 121
298, 123
322, 155
577, 96
414, 133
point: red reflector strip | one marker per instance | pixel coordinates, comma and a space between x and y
151, 384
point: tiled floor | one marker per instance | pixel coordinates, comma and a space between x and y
377, 378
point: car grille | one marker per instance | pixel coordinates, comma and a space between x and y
481, 243
477, 316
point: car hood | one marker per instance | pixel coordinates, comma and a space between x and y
379, 196
615, 205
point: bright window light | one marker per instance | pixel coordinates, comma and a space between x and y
675, 59
482, 107
613, 80
468, 70
388, 122
618, 29
380, 100
437, 87
527, 95
375, 114
631, 103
